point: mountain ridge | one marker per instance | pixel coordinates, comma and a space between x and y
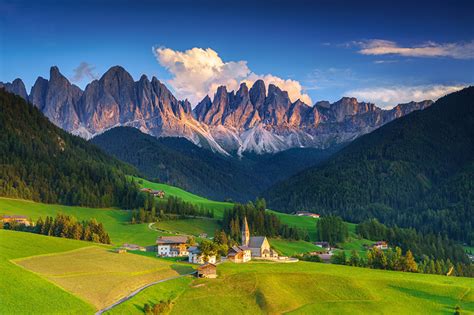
247, 120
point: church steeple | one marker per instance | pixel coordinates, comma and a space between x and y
245, 233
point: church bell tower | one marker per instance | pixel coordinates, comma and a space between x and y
245, 233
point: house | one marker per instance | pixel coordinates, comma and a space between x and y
147, 190
20, 219
239, 254
172, 246
203, 235
134, 247
307, 214
380, 245
208, 270
120, 250
258, 245
158, 193
196, 257
324, 245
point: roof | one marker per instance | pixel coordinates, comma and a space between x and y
194, 250
256, 241
131, 245
172, 239
14, 217
207, 266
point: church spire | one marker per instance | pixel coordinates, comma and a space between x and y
245, 233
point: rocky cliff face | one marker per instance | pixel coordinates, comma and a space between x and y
249, 120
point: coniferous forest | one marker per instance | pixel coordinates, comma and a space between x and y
417, 171
41, 162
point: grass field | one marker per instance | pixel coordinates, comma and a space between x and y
23, 292
290, 248
189, 226
99, 275
309, 288
114, 220
217, 206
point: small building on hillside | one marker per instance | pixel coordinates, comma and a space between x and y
208, 270
158, 193
196, 257
120, 250
20, 219
239, 254
324, 245
172, 246
134, 247
146, 190
307, 214
381, 245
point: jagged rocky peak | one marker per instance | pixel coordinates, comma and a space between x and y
258, 93
16, 87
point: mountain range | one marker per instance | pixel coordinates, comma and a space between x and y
417, 171
250, 120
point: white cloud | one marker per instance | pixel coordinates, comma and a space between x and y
84, 70
389, 97
460, 50
198, 72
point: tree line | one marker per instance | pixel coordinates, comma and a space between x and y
260, 222
331, 229
65, 226
171, 208
434, 246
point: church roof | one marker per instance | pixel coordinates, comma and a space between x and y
256, 241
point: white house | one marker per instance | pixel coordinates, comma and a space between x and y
172, 246
196, 257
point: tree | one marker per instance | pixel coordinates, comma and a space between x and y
147, 308
354, 260
339, 258
410, 263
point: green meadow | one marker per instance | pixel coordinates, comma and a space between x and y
217, 206
308, 288
116, 222
24, 292
290, 248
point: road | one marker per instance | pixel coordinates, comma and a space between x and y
139, 290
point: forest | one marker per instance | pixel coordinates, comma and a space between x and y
41, 162
417, 171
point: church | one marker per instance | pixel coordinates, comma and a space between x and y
258, 245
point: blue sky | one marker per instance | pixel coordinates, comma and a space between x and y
319, 50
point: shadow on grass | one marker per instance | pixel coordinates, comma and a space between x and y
448, 303
182, 269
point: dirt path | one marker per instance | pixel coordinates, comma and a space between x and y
128, 297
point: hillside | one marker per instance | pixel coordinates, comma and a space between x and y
179, 162
417, 171
308, 288
41, 162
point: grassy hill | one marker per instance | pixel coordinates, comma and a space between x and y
309, 288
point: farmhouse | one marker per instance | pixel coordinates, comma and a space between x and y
239, 254
324, 245
120, 250
258, 245
155, 193
172, 246
380, 245
196, 257
20, 219
207, 270
307, 214
134, 247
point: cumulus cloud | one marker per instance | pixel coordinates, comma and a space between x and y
84, 70
198, 72
460, 50
389, 97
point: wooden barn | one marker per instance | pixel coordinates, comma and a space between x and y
207, 270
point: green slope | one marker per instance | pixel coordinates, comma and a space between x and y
309, 288
24, 292
116, 221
